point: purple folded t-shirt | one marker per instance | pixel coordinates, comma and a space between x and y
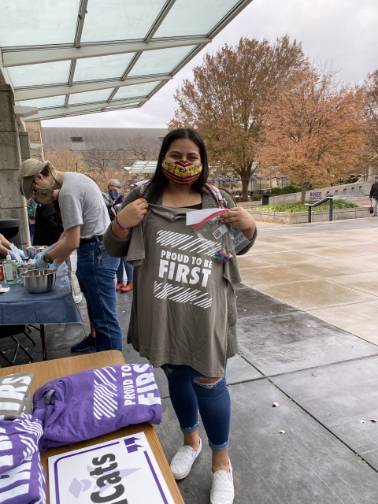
24, 484
92, 403
19, 440
22, 479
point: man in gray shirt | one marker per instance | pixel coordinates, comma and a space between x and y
85, 219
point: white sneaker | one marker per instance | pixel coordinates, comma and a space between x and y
222, 488
183, 460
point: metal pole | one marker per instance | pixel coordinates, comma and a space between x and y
43, 341
331, 208
309, 214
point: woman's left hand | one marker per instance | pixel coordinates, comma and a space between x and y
241, 219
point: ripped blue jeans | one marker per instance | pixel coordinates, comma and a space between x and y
212, 400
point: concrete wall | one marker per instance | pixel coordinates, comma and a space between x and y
302, 217
12, 204
34, 131
345, 191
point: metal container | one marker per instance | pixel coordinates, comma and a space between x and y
37, 281
33, 250
25, 268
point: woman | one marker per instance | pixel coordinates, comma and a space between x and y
183, 313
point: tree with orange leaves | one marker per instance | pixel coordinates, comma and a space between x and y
314, 132
371, 109
74, 161
227, 96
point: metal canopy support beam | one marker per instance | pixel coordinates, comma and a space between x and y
238, 8
82, 112
162, 15
242, 4
174, 72
70, 79
16, 57
48, 113
45, 92
158, 21
77, 42
125, 73
80, 22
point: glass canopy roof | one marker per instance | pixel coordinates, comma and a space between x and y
70, 57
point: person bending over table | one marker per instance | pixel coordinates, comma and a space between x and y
85, 219
183, 315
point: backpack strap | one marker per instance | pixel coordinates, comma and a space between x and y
217, 195
142, 186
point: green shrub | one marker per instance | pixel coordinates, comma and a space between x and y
299, 207
284, 190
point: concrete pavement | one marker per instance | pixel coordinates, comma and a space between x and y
327, 269
307, 342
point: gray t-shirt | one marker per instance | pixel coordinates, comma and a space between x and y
180, 312
81, 204
184, 303
15, 395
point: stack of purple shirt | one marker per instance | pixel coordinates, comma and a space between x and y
21, 474
95, 402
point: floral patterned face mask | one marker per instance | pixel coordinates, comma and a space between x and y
181, 173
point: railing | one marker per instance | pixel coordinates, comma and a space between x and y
320, 202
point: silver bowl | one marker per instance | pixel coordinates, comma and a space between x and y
37, 281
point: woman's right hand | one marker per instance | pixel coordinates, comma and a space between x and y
133, 213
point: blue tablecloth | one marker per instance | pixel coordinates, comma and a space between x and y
18, 306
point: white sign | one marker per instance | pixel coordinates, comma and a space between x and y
197, 216
120, 471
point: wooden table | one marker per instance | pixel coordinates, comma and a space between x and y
50, 370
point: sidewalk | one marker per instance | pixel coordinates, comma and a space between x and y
319, 445
327, 269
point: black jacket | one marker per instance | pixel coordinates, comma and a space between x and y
48, 224
374, 191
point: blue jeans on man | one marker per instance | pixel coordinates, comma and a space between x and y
375, 205
96, 270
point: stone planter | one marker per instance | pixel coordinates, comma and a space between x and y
302, 217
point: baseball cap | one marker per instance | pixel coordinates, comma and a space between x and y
29, 168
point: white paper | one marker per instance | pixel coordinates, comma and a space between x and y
195, 216
78, 476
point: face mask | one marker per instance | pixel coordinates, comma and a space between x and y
113, 194
44, 196
181, 173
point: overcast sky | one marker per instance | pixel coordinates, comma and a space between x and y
337, 35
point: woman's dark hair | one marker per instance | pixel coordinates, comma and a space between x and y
159, 181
